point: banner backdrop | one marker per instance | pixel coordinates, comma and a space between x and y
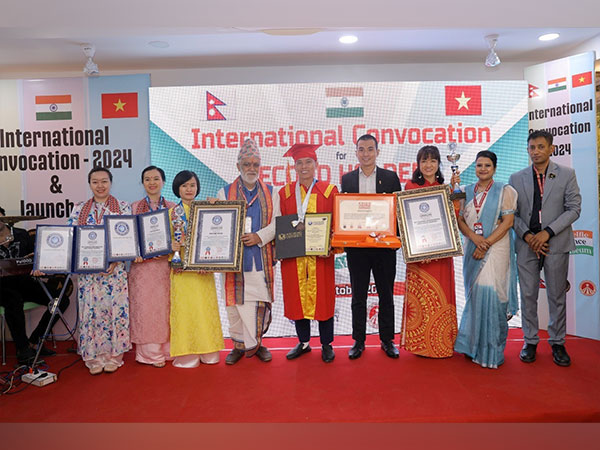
201, 128
562, 101
53, 131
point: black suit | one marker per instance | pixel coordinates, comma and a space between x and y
382, 261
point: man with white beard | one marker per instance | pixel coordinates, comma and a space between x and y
249, 294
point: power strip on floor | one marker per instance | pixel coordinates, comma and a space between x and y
39, 378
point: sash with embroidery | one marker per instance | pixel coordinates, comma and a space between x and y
234, 282
112, 204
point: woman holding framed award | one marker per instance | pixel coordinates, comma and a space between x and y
149, 283
103, 297
429, 314
489, 265
196, 334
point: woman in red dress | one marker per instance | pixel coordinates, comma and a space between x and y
429, 325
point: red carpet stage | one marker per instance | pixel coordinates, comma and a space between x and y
373, 388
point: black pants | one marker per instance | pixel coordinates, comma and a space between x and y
15, 291
361, 261
325, 330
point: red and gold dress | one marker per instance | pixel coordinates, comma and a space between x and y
429, 325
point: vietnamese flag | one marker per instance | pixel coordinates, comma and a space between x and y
463, 100
119, 105
582, 79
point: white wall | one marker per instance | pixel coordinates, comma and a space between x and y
309, 74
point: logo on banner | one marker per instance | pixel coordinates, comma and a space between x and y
463, 100
587, 288
212, 112
373, 315
53, 107
584, 242
582, 79
344, 102
532, 91
558, 84
119, 105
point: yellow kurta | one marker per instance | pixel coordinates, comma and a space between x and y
195, 321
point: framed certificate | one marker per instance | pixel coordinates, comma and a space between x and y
213, 241
53, 249
121, 238
311, 238
365, 220
427, 223
155, 233
90, 249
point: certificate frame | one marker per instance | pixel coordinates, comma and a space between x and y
357, 235
232, 212
81, 269
415, 249
58, 237
291, 242
158, 217
121, 225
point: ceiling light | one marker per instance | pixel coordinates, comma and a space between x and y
348, 39
548, 37
90, 68
158, 44
492, 59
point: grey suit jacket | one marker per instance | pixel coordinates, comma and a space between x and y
561, 205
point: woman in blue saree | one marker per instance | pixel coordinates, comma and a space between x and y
489, 265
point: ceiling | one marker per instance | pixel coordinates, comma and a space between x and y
44, 36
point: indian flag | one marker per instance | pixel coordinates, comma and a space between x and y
558, 84
53, 107
345, 102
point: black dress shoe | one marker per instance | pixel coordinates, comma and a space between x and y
560, 355
298, 350
390, 349
264, 354
45, 351
327, 353
527, 354
356, 351
25, 356
234, 356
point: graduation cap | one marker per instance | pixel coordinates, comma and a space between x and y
298, 151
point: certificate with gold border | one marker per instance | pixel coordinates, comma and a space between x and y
214, 239
427, 223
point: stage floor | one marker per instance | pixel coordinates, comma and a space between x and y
373, 388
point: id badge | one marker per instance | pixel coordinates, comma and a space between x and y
478, 228
248, 225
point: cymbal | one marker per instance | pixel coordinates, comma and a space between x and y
11, 220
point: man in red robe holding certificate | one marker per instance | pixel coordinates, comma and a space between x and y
309, 281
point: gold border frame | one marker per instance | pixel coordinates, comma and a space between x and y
444, 191
328, 239
191, 237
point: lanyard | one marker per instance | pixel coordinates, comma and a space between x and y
161, 201
98, 215
538, 177
541, 181
477, 204
302, 208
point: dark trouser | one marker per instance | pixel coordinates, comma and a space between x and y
325, 330
15, 292
361, 261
